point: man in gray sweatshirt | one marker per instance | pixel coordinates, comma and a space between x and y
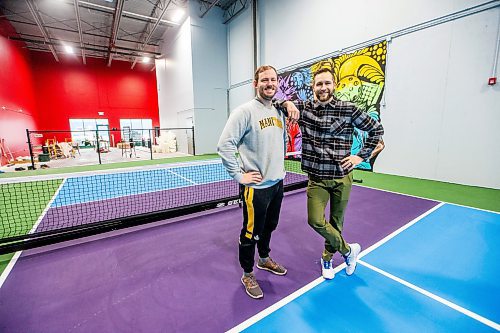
256, 131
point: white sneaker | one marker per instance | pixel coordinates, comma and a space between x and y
352, 258
327, 269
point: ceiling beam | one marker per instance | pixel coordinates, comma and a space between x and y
117, 16
80, 36
75, 31
39, 23
210, 7
234, 10
90, 54
125, 13
153, 28
90, 47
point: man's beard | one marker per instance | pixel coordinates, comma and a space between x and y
325, 98
263, 95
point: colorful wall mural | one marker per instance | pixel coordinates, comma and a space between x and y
359, 78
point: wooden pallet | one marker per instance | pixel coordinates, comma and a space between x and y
5, 152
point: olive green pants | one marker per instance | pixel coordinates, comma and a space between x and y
319, 191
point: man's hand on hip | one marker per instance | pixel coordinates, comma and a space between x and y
351, 161
251, 177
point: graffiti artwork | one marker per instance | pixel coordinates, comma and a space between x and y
359, 78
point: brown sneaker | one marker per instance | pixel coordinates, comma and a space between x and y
271, 266
251, 286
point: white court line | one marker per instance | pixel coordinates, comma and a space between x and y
146, 191
480, 209
16, 256
267, 311
9, 180
122, 196
435, 297
430, 199
178, 175
400, 230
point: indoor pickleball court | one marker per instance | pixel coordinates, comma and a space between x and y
117, 213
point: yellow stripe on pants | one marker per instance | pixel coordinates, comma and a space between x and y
250, 213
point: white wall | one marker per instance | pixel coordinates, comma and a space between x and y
240, 57
440, 114
240, 53
174, 75
240, 50
293, 30
210, 77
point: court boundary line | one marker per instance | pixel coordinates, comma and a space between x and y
141, 193
146, 192
400, 230
429, 199
272, 308
433, 296
77, 174
6, 272
282, 302
182, 177
161, 190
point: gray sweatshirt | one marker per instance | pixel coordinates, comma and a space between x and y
258, 134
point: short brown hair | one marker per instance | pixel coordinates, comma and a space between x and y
322, 70
263, 69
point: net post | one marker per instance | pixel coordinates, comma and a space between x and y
151, 143
194, 146
31, 149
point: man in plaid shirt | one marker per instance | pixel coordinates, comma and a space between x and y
327, 126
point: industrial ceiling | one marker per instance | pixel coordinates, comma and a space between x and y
128, 30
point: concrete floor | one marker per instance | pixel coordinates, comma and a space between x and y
89, 156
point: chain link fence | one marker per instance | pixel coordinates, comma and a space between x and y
52, 149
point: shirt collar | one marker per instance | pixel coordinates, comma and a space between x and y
332, 103
258, 100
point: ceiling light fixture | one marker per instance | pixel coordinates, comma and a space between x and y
177, 15
68, 49
146, 60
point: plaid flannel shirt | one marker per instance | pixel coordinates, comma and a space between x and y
327, 133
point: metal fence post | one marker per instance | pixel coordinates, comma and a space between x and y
97, 145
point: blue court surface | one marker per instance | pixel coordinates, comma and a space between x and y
439, 274
78, 190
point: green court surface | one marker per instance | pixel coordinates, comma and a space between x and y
27, 207
109, 166
472, 196
30, 208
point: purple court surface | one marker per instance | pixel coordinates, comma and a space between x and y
181, 275
129, 205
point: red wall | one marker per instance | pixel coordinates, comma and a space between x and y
69, 89
49, 93
16, 93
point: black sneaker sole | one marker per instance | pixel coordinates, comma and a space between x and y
270, 270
